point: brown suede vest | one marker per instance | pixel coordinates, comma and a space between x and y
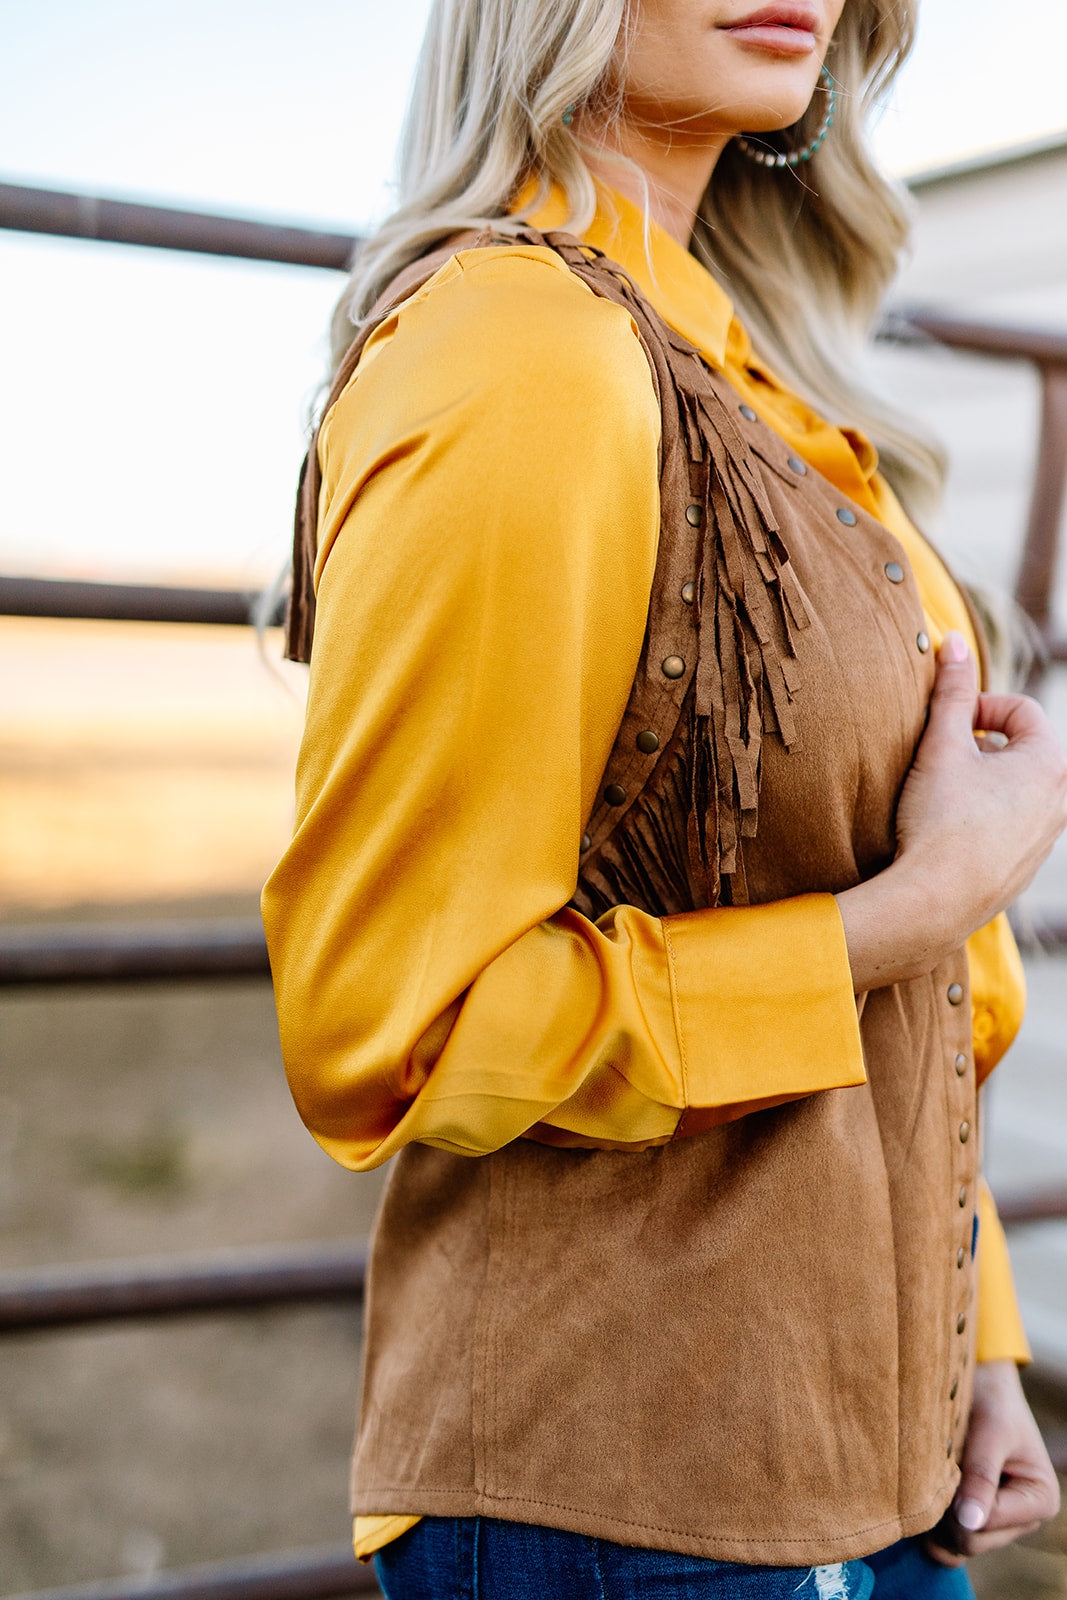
752, 1343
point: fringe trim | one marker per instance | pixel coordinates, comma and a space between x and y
749, 605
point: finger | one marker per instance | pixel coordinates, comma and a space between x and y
940, 1552
954, 701
980, 1470
1022, 1500
979, 1544
1014, 715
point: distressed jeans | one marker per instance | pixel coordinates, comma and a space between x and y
481, 1558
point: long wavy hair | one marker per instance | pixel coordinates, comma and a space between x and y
804, 253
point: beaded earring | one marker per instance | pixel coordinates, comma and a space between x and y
568, 115
766, 157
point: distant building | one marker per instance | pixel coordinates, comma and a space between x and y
990, 242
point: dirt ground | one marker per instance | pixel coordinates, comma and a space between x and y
139, 1122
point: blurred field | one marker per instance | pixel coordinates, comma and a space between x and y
141, 762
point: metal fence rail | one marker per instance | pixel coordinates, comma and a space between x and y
86, 216
126, 602
175, 1286
82, 216
125, 952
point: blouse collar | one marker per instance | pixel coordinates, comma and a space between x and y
682, 290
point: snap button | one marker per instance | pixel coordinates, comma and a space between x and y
586, 842
955, 994
961, 1256
923, 642
689, 593
962, 1196
961, 1322
965, 1132
954, 1391
615, 794
748, 413
694, 515
961, 1066
894, 571
796, 465
673, 667
647, 742
846, 516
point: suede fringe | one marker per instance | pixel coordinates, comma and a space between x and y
748, 602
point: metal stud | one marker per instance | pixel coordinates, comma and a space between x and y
748, 413
894, 571
961, 1065
923, 642
647, 742
673, 667
954, 1391
961, 1256
961, 1322
694, 515
955, 994
965, 1132
962, 1196
796, 465
587, 843
846, 516
615, 794
689, 593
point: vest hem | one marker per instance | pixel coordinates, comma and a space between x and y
756, 1551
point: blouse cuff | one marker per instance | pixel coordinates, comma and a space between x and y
764, 1007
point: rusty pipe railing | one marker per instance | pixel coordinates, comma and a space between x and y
85, 216
1046, 351
82, 216
72, 600
125, 952
176, 1286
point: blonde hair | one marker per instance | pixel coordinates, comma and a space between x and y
805, 253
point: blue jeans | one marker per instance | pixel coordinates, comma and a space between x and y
480, 1558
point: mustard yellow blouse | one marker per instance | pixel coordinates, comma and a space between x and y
488, 528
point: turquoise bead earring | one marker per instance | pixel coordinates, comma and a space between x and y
568, 115
766, 157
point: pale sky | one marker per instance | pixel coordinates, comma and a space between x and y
152, 406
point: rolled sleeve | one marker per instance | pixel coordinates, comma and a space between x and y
764, 1006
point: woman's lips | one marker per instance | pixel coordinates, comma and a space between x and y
784, 41
785, 29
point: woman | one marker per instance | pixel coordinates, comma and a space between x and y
623, 863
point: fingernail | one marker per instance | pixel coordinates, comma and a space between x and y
969, 1513
954, 646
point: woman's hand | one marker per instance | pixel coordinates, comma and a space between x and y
974, 823
1008, 1487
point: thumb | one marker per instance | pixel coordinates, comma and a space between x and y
980, 1471
954, 701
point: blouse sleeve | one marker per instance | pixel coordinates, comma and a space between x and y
488, 530
1001, 1335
